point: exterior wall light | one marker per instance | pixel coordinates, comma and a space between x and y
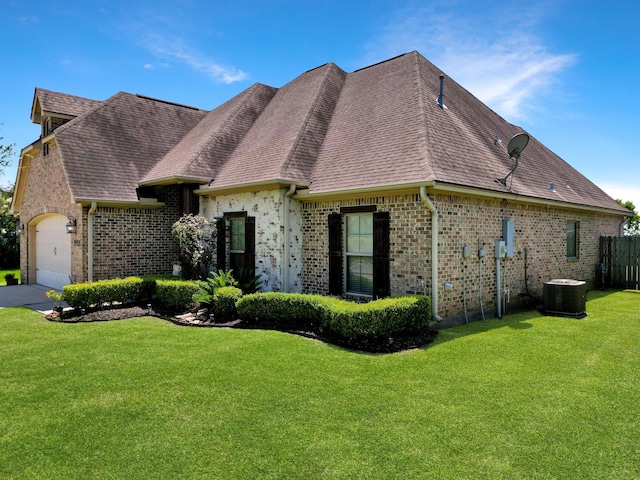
20, 229
71, 225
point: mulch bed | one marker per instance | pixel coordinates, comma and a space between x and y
201, 319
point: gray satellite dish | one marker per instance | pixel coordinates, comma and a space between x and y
515, 147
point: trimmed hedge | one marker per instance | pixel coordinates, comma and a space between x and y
224, 303
177, 294
377, 319
142, 289
84, 295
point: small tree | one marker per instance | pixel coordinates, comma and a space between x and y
9, 241
633, 222
6, 152
196, 239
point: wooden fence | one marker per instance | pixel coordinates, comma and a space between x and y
620, 267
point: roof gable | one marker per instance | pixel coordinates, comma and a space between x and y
108, 151
205, 149
48, 101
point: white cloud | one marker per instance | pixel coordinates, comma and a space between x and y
624, 192
175, 48
501, 61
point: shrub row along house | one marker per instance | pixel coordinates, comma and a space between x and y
359, 184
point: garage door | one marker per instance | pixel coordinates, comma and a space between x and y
53, 252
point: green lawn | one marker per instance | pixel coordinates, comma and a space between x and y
527, 396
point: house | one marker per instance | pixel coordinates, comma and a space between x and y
360, 184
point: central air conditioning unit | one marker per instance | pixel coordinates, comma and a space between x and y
565, 298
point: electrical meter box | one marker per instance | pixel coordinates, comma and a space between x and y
501, 249
466, 251
508, 232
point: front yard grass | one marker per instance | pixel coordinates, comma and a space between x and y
528, 396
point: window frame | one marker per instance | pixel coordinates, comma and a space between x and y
356, 254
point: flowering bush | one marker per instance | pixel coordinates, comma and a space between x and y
57, 297
196, 239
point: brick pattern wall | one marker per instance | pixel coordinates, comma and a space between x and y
47, 192
472, 221
127, 241
267, 207
135, 241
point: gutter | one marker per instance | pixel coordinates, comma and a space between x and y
286, 284
92, 210
434, 252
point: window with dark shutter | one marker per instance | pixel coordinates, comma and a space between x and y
240, 236
381, 284
359, 258
221, 227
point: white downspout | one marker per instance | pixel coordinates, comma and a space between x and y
92, 210
434, 252
286, 283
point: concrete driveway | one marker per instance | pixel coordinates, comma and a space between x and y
31, 296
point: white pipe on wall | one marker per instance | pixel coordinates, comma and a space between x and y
434, 252
92, 210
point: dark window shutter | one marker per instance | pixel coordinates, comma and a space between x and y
221, 240
381, 286
249, 261
335, 254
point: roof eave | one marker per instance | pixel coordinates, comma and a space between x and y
175, 179
107, 202
250, 186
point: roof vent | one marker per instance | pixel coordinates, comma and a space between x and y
552, 187
441, 96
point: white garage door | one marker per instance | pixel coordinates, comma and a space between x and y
53, 252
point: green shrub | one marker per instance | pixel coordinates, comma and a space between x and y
216, 280
84, 295
381, 318
224, 303
288, 310
177, 294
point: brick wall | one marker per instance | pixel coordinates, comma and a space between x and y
46, 192
134, 241
127, 241
472, 221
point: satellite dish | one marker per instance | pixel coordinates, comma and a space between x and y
517, 144
515, 147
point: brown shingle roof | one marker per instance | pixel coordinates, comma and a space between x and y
205, 149
284, 141
377, 127
61, 103
108, 151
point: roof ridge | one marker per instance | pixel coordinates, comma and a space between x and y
426, 165
325, 82
159, 100
236, 111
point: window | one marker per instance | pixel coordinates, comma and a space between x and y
359, 259
236, 242
572, 239
359, 253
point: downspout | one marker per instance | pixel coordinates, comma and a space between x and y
92, 210
286, 284
434, 252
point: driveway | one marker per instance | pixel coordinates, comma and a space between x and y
31, 296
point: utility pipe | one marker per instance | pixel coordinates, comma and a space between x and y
434, 252
286, 284
92, 210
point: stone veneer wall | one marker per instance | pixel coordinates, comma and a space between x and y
134, 241
472, 221
47, 192
267, 208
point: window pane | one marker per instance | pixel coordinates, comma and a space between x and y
571, 240
360, 275
236, 234
360, 233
